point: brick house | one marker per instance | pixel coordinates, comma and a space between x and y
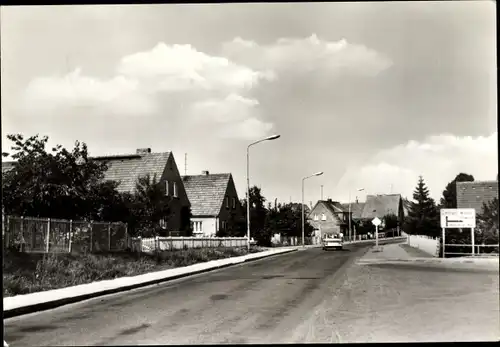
214, 203
329, 217
474, 194
127, 168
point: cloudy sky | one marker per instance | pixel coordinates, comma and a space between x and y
373, 94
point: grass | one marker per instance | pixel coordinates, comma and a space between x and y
25, 273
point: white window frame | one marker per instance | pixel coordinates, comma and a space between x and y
234, 203
167, 192
227, 201
316, 217
175, 190
323, 217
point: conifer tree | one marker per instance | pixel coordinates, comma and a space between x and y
423, 217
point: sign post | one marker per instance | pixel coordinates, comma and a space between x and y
376, 222
457, 218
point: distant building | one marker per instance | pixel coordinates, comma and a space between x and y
329, 217
382, 205
214, 202
474, 194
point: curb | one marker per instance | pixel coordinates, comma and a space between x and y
43, 306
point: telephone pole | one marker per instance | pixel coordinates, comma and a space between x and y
185, 163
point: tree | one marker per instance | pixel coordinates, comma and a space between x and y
150, 207
488, 224
60, 184
390, 221
449, 198
258, 214
423, 217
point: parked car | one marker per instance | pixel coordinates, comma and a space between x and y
333, 242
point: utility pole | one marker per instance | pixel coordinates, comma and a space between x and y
185, 163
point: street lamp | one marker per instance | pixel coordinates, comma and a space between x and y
303, 222
272, 137
358, 190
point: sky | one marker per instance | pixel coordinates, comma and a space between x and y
372, 94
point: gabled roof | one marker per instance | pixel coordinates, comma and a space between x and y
206, 192
356, 209
381, 205
334, 207
126, 169
474, 194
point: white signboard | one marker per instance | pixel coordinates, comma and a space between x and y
376, 221
458, 218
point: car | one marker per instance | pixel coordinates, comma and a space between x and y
333, 242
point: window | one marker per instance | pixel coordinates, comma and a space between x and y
234, 202
323, 216
175, 190
224, 225
316, 217
227, 202
163, 223
197, 226
166, 189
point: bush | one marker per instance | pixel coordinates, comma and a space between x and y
25, 273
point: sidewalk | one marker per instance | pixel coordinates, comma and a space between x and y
402, 254
39, 301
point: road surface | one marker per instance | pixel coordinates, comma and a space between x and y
305, 296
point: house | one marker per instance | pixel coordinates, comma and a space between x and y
329, 217
126, 169
214, 203
356, 208
474, 194
382, 205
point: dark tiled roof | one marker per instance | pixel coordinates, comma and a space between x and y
474, 194
126, 169
382, 205
356, 209
206, 193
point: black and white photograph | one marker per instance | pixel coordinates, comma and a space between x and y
249, 173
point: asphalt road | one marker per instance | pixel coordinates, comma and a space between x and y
304, 296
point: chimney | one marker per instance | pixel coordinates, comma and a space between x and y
356, 200
206, 173
143, 150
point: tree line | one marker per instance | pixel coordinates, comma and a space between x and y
68, 184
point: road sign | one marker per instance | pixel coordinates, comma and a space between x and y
376, 221
458, 218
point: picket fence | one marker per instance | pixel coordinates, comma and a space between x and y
169, 243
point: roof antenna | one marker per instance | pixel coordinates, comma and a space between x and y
185, 164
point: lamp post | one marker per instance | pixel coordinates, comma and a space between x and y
303, 221
358, 190
273, 137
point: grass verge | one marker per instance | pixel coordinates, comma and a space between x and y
25, 273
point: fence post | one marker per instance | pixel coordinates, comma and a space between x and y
48, 235
109, 236
126, 236
22, 230
91, 240
70, 232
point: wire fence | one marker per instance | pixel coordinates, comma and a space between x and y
46, 235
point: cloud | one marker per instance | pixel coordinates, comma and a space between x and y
308, 54
156, 83
183, 67
249, 129
438, 159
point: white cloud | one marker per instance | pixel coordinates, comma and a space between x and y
182, 66
438, 159
248, 129
308, 54
150, 82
